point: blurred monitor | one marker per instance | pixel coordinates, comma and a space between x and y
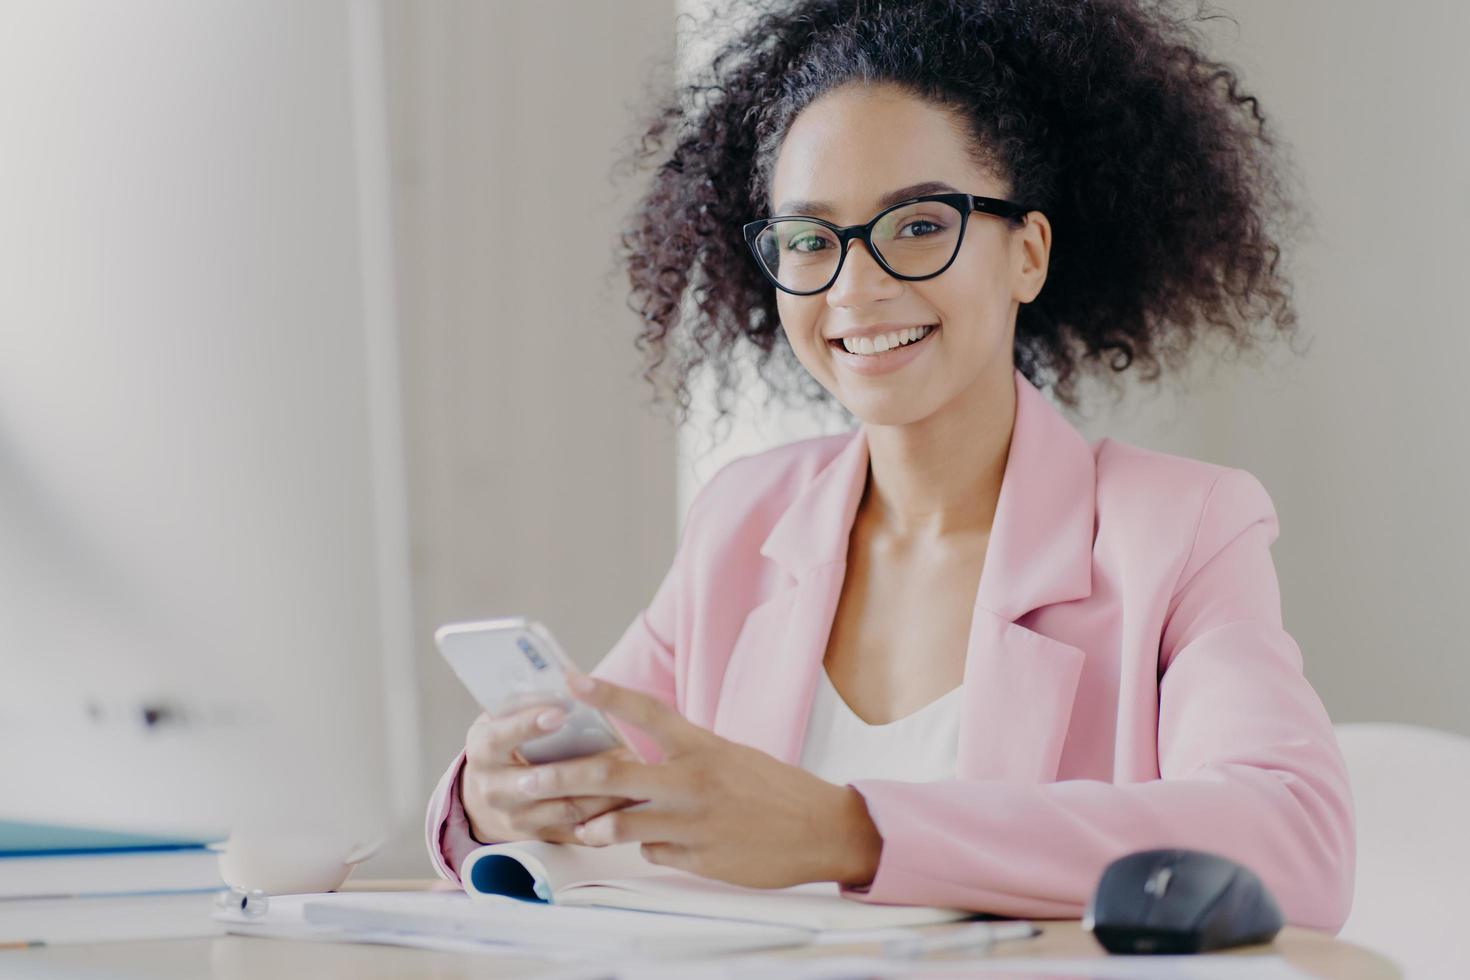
204, 604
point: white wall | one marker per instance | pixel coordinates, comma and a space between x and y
200, 476
1361, 442
540, 483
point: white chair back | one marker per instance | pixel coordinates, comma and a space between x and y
1411, 794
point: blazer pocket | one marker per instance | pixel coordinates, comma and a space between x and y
1019, 691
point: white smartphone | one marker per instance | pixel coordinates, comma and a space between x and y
514, 663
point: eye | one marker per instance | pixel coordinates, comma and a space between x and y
925, 227
806, 243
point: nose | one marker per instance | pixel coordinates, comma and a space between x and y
862, 279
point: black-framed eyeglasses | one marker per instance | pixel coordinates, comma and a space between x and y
912, 240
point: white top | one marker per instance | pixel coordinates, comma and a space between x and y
917, 748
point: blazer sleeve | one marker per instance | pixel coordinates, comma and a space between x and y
1249, 765
643, 659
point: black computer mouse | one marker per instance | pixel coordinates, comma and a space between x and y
1179, 901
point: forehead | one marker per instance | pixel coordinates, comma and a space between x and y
850, 148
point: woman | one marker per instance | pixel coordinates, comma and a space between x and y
959, 656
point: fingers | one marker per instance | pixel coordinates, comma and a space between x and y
611, 773
669, 855
560, 816
669, 728
492, 739
630, 824
498, 810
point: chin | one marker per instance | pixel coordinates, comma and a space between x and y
888, 410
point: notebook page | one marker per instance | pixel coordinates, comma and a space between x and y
552, 867
534, 925
617, 876
817, 905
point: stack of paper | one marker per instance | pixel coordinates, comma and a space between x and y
106, 918
65, 885
618, 877
508, 921
592, 902
119, 872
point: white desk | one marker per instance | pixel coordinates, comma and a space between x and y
241, 957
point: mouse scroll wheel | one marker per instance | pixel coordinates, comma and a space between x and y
1158, 882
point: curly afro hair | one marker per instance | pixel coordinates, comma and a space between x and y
1165, 191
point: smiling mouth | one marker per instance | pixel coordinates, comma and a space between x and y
866, 349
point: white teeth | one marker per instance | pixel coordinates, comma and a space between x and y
884, 342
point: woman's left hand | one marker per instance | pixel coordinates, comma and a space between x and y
714, 807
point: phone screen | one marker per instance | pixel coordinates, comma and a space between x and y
509, 664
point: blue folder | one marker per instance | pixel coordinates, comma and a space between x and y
40, 840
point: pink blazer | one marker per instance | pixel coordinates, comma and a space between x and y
1127, 685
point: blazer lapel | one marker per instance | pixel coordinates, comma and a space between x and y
766, 695
1019, 683
1017, 703
771, 678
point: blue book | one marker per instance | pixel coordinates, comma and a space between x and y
30, 840
44, 861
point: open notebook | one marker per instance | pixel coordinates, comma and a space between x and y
617, 876
601, 900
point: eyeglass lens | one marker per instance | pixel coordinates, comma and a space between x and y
916, 239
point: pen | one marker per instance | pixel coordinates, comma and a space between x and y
979, 934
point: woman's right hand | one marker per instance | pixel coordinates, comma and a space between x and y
497, 808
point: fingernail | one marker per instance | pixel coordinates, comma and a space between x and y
580, 682
549, 720
528, 782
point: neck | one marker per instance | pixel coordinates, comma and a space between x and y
942, 475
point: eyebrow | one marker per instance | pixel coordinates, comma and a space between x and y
822, 208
